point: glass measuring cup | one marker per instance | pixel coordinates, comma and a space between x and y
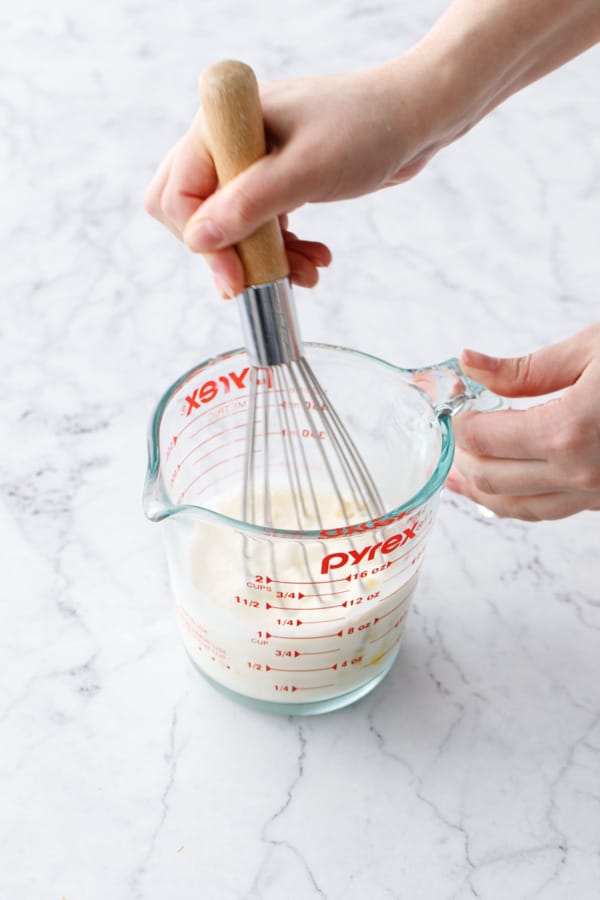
300, 621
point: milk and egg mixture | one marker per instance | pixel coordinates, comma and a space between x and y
293, 621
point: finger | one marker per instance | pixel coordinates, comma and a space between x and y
303, 257
303, 272
268, 188
507, 433
229, 275
550, 369
154, 193
227, 271
508, 476
556, 505
319, 254
191, 179
156, 187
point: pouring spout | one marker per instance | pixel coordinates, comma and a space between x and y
155, 502
154, 507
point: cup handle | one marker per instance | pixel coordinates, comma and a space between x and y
450, 391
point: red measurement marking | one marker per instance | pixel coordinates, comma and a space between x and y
316, 687
395, 575
215, 406
316, 652
295, 670
389, 649
210, 469
201, 444
414, 558
210, 485
307, 608
395, 625
274, 433
171, 446
218, 449
389, 613
191, 422
316, 583
241, 440
416, 544
319, 608
296, 637
326, 621
225, 431
328, 593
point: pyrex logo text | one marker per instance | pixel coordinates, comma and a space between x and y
209, 390
367, 554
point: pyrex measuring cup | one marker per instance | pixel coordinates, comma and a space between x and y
300, 621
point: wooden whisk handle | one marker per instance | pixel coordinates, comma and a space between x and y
236, 139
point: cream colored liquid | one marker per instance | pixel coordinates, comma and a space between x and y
294, 621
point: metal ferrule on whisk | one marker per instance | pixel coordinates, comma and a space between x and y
269, 323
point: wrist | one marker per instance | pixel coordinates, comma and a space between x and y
418, 97
460, 74
402, 98
480, 52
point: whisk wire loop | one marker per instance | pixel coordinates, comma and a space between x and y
274, 345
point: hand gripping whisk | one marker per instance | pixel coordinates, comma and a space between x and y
300, 463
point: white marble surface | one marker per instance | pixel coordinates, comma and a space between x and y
474, 770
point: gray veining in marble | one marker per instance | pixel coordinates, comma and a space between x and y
473, 771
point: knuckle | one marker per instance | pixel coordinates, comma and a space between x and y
478, 473
468, 435
594, 333
519, 508
476, 442
570, 438
588, 478
512, 508
523, 368
526, 513
576, 448
169, 204
483, 483
246, 209
151, 203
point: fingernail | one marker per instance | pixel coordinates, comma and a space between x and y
204, 235
224, 288
475, 360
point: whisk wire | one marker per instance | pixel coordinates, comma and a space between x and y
359, 477
318, 456
291, 466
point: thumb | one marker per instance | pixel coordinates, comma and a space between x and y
550, 369
266, 189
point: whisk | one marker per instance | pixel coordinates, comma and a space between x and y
286, 402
